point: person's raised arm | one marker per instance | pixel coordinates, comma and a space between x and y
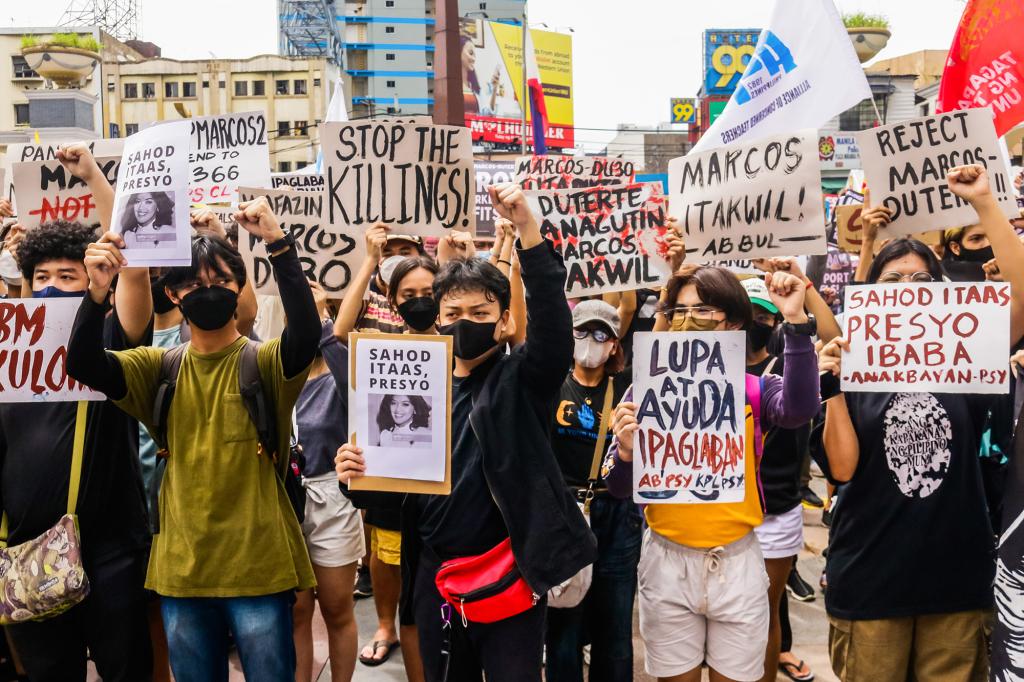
625, 303
455, 244
518, 302
302, 327
504, 246
971, 183
828, 326
839, 438
873, 218
78, 160
352, 305
677, 255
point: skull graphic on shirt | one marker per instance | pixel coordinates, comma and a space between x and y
916, 436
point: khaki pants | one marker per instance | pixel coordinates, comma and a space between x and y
951, 647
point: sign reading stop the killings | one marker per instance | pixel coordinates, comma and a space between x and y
935, 338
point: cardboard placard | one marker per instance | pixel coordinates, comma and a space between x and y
489, 173
611, 238
327, 257
400, 389
49, 192
906, 165
571, 172
34, 337
47, 151
227, 152
306, 182
417, 178
690, 391
849, 231
934, 338
751, 199
151, 205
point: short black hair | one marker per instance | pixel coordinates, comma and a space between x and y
54, 240
464, 275
898, 248
207, 250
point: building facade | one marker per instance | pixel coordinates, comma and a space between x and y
293, 92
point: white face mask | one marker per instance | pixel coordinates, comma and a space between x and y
9, 268
387, 268
591, 354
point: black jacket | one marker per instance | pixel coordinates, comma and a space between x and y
512, 416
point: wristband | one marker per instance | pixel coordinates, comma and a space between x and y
810, 284
508, 263
281, 244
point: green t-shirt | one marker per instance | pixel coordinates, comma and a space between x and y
227, 528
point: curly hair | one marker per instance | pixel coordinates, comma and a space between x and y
420, 413
164, 211
55, 240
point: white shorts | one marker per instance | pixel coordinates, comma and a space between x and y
333, 527
782, 535
703, 605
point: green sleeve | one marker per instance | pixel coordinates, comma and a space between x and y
141, 373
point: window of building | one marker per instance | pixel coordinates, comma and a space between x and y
391, 84
389, 3
390, 56
222, 84
188, 89
483, 5
206, 84
21, 68
170, 89
284, 166
148, 90
299, 165
300, 87
316, 82
392, 110
301, 128
863, 116
111, 85
21, 114
130, 129
284, 129
281, 87
259, 88
115, 131
131, 90
241, 88
389, 29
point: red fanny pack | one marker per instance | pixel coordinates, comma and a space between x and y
485, 588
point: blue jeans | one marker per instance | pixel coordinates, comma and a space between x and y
197, 636
605, 617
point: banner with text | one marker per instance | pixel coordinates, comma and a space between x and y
933, 338
751, 200
417, 178
227, 152
489, 173
307, 182
690, 391
611, 238
49, 192
568, 172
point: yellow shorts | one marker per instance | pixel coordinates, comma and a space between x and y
386, 545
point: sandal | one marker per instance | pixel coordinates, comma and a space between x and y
379, 644
792, 671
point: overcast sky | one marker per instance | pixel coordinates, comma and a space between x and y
627, 64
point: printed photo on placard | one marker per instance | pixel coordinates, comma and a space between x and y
400, 421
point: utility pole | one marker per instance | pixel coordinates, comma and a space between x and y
448, 104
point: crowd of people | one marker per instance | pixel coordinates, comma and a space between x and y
213, 498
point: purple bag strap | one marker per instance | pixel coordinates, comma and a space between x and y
754, 398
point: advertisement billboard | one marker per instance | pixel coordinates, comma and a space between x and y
492, 80
684, 110
726, 54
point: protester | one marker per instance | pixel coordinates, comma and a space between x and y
234, 567
902, 602
703, 587
36, 443
505, 480
967, 252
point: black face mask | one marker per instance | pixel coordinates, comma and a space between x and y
209, 308
419, 313
161, 303
471, 339
976, 255
758, 335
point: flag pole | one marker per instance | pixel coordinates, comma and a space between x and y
523, 97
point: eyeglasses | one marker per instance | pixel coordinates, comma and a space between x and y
600, 335
892, 277
697, 312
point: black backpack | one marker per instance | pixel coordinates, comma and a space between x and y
257, 404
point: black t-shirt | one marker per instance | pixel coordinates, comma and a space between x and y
467, 522
36, 442
577, 422
784, 451
911, 534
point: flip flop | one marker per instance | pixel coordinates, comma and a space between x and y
379, 644
795, 674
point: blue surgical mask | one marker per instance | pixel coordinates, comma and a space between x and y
54, 292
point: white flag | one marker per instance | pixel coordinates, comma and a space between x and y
803, 72
337, 110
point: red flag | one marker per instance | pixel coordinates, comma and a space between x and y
985, 66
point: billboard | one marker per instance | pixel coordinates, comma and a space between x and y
684, 110
838, 151
492, 80
726, 54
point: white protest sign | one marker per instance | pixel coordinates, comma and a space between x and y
611, 238
34, 337
226, 153
327, 257
751, 199
151, 205
47, 151
48, 192
417, 178
309, 182
565, 172
400, 408
690, 391
906, 163
933, 338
